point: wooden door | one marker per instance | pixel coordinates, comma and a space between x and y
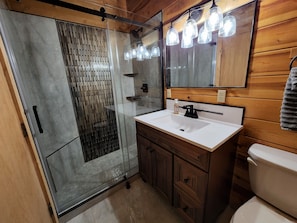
162, 171
144, 159
22, 197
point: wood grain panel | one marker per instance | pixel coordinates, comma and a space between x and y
178, 7
263, 109
147, 8
275, 11
277, 36
51, 11
270, 132
22, 191
270, 62
265, 87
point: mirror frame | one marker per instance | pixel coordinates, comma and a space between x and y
220, 55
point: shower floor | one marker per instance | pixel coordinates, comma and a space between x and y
95, 176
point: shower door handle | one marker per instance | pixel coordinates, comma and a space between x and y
37, 119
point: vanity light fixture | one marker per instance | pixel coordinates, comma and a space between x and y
226, 26
172, 37
141, 52
215, 18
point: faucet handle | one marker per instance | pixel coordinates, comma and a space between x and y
195, 113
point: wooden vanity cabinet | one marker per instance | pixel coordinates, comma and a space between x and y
196, 181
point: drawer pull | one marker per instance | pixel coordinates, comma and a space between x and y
186, 180
198, 157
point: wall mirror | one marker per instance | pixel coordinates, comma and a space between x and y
221, 63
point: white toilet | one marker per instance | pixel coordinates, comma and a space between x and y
273, 178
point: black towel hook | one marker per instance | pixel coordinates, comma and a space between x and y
293, 59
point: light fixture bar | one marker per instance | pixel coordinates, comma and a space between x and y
100, 13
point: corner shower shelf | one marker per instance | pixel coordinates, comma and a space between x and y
133, 98
130, 75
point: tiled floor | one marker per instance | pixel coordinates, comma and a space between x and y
94, 176
140, 204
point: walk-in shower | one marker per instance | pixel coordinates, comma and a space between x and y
80, 95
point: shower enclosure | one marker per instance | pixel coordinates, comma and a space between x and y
80, 95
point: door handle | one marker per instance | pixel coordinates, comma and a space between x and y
37, 119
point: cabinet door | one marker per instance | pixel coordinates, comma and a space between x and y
162, 171
144, 159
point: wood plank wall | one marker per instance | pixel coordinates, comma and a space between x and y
275, 44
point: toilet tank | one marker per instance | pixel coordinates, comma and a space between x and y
273, 177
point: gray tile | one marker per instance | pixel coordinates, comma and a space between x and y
141, 204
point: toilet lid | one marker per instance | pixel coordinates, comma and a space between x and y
257, 211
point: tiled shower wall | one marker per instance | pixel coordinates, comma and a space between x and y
88, 72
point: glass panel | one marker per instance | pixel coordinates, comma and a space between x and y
186, 64
137, 84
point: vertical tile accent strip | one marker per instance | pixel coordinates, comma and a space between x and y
87, 67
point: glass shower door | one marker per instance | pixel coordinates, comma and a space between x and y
79, 102
66, 100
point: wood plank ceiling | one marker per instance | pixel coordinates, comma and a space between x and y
140, 10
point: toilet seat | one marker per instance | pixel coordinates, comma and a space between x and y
256, 210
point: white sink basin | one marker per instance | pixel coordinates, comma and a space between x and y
206, 133
180, 123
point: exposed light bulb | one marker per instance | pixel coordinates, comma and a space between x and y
155, 51
172, 37
215, 18
190, 29
140, 52
127, 55
133, 53
229, 26
146, 54
205, 36
187, 42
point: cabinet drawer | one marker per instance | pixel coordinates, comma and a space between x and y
193, 154
187, 207
190, 179
155, 136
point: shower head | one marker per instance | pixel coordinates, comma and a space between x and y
136, 33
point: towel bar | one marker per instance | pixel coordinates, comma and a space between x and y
293, 59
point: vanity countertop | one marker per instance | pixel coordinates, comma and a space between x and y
205, 133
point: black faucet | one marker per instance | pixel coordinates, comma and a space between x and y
190, 111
